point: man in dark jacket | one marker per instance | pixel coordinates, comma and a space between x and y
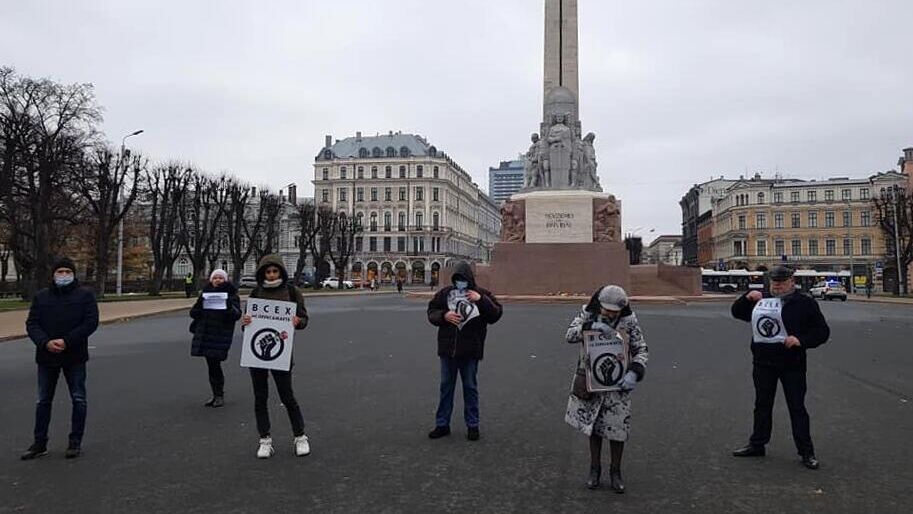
462, 313
60, 321
784, 326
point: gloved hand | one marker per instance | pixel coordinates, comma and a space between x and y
601, 327
629, 381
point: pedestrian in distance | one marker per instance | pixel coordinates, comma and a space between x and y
399, 285
607, 414
462, 313
60, 321
785, 325
214, 315
189, 289
273, 284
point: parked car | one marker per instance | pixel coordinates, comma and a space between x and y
333, 283
248, 281
728, 287
828, 291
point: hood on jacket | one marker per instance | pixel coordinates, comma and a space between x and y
271, 260
463, 269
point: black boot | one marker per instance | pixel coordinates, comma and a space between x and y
810, 461
439, 432
210, 402
749, 450
617, 484
218, 401
36, 450
595, 475
74, 449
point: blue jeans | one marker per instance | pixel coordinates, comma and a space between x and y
47, 385
468, 370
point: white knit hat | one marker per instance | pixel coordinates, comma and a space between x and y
218, 273
613, 298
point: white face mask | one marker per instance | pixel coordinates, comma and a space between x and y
462, 285
63, 280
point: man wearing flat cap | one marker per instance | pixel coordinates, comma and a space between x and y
785, 324
60, 321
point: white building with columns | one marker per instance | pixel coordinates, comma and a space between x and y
420, 210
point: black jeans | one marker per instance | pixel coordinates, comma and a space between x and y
765, 383
47, 385
216, 377
283, 379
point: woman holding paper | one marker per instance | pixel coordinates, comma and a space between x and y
606, 415
214, 315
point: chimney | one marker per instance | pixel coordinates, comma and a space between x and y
358, 136
253, 192
906, 162
328, 142
293, 194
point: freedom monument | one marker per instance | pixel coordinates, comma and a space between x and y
561, 232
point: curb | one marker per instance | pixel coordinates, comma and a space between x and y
579, 299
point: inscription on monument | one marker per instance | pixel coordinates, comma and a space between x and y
559, 220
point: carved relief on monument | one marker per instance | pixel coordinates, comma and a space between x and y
513, 221
606, 220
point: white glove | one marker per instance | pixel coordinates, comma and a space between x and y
601, 327
629, 381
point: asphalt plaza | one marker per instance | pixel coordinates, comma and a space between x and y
366, 376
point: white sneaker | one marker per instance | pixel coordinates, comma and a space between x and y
302, 447
266, 448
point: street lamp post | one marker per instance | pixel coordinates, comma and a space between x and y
896, 237
120, 225
849, 236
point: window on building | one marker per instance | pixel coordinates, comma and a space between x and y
373, 222
761, 220
326, 173
797, 247
813, 247
341, 193
829, 219
388, 172
847, 219
400, 244
742, 224
402, 194
813, 219
778, 197
847, 246
363, 153
391, 152
372, 244
388, 194
866, 246
402, 172
360, 194
361, 172
795, 220
435, 194
325, 196
830, 247
793, 196
359, 244
846, 194
436, 221
373, 171
388, 246
419, 194
419, 220
373, 194
779, 247
435, 172
865, 218
778, 220
762, 248
829, 195
419, 171
738, 248
388, 222
864, 193
342, 173
402, 221
761, 198
812, 196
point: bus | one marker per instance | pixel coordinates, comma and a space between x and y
739, 280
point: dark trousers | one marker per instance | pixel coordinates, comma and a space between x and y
216, 377
468, 370
765, 384
47, 386
283, 379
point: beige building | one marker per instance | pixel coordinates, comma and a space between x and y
825, 225
421, 211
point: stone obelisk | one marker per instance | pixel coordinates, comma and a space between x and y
561, 46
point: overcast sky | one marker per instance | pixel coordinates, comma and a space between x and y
676, 91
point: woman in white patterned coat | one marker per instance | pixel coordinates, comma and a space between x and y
606, 415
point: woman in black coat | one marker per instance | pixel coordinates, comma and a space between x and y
214, 315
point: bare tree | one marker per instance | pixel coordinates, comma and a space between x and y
242, 221
108, 186
326, 232
201, 213
45, 128
220, 243
306, 216
269, 207
6, 253
895, 216
166, 186
343, 245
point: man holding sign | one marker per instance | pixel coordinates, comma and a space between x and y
462, 313
783, 327
274, 311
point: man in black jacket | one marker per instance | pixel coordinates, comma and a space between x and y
784, 326
462, 313
60, 321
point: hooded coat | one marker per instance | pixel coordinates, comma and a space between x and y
285, 292
469, 341
69, 313
213, 330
